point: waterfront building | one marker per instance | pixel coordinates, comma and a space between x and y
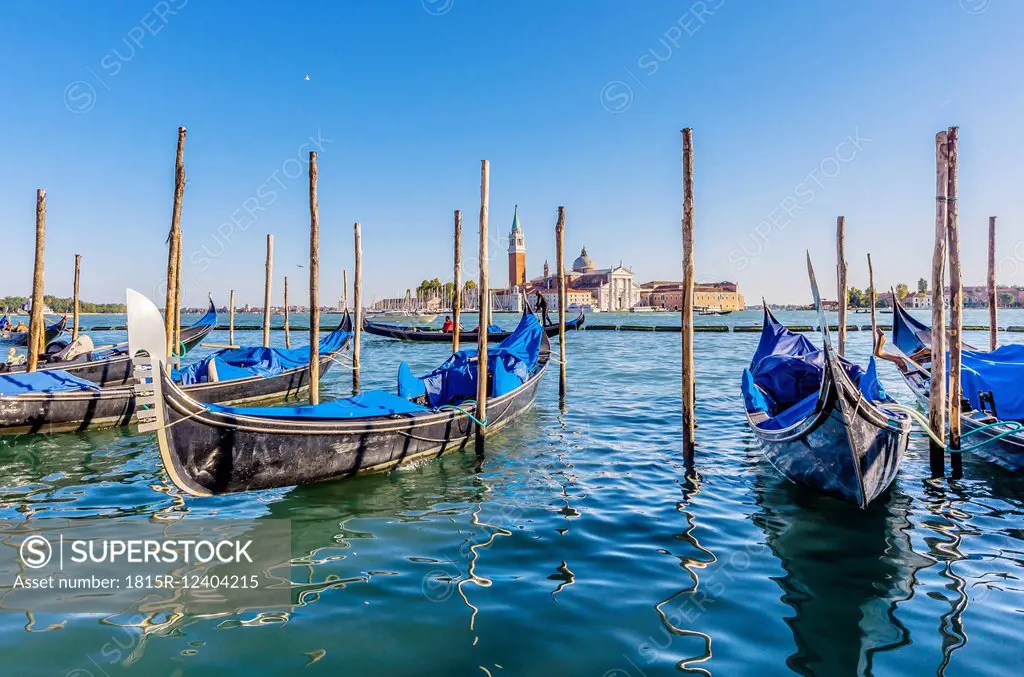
712, 295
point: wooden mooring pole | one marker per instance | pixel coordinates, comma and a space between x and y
937, 397
357, 304
36, 330
993, 291
841, 281
171, 303
689, 381
484, 285
874, 298
266, 290
956, 307
75, 300
344, 290
314, 283
231, 317
562, 296
287, 328
457, 294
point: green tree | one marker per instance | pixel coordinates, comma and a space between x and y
922, 285
1006, 300
855, 297
901, 291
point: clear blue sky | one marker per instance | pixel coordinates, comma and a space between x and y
577, 103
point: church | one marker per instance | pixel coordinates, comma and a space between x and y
587, 286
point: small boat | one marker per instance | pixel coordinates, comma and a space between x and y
215, 449
406, 333
20, 338
819, 419
54, 401
992, 393
112, 365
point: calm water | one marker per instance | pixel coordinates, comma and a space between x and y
577, 545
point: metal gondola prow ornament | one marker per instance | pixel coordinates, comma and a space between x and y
147, 347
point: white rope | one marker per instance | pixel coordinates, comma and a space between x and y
919, 418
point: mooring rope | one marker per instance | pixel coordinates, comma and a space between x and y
919, 418
452, 407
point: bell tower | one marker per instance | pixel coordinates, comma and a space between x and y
516, 253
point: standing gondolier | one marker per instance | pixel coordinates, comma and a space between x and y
541, 306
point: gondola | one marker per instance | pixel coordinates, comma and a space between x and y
20, 338
112, 366
55, 401
213, 449
407, 333
819, 419
991, 388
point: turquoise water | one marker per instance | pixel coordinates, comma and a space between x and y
578, 544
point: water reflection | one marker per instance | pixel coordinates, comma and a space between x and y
847, 570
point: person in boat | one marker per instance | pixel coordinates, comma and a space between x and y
541, 306
448, 326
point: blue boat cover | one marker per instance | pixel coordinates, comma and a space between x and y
5, 321
510, 362
49, 381
908, 333
363, 405
784, 377
1000, 372
235, 363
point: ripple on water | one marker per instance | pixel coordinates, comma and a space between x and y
578, 544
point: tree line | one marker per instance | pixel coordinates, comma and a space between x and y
61, 305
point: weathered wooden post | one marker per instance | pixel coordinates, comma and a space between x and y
457, 295
36, 330
266, 291
344, 290
993, 292
871, 281
689, 382
956, 307
287, 328
178, 275
357, 288
171, 303
231, 317
314, 283
937, 396
76, 299
485, 320
562, 296
841, 280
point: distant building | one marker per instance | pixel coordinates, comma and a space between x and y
713, 296
917, 299
604, 289
516, 253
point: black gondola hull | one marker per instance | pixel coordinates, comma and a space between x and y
215, 453
115, 406
405, 333
853, 459
116, 370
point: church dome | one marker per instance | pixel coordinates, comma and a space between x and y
584, 264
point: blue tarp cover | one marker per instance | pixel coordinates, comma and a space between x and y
48, 381
1000, 372
784, 376
363, 405
511, 362
209, 318
235, 363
